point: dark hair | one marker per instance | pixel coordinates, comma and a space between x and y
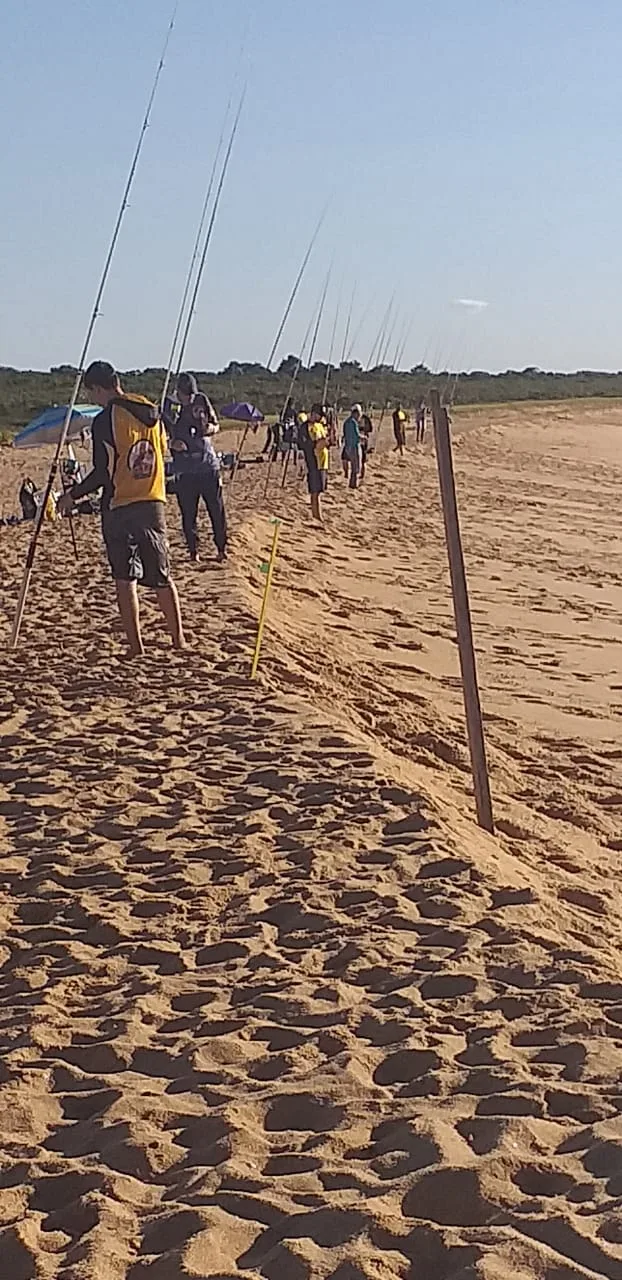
318, 408
101, 374
187, 384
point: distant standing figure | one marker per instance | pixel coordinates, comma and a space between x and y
399, 429
366, 428
313, 441
352, 445
421, 412
27, 498
274, 436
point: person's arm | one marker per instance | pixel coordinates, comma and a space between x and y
169, 417
205, 419
98, 477
213, 424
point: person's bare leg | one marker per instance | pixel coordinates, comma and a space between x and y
127, 599
168, 601
315, 506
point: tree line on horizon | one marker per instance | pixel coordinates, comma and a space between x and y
24, 393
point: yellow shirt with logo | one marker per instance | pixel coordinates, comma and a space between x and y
129, 444
318, 433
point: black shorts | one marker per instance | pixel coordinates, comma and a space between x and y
137, 543
317, 481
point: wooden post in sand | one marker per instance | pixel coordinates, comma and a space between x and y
462, 614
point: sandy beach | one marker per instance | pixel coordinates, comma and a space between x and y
271, 1005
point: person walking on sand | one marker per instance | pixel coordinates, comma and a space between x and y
399, 429
420, 421
314, 445
366, 428
129, 444
274, 436
352, 445
196, 466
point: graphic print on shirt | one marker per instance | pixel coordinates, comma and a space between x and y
141, 460
138, 447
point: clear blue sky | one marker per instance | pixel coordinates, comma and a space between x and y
472, 147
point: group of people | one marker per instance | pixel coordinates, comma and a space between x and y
131, 438
310, 436
400, 422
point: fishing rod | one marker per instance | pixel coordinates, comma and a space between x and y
316, 330
466, 351
210, 231
297, 368
389, 338
347, 354
375, 352
297, 283
330, 352
193, 259
464, 345
382, 357
344, 348
396, 355
280, 330
317, 324
453, 347
290, 390
201, 228
400, 355
346, 334
399, 351
357, 332
53, 471
380, 338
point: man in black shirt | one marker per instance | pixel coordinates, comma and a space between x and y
196, 465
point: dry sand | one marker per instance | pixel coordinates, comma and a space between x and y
271, 1005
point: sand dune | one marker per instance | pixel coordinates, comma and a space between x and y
271, 1005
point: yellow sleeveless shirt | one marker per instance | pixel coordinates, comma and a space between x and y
137, 448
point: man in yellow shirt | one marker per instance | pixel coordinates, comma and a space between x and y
129, 443
314, 444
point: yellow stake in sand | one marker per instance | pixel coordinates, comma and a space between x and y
268, 569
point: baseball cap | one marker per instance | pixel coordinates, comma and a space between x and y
187, 384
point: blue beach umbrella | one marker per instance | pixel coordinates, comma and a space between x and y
47, 427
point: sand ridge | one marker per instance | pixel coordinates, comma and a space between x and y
270, 1004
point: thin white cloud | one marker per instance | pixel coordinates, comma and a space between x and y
475, 303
